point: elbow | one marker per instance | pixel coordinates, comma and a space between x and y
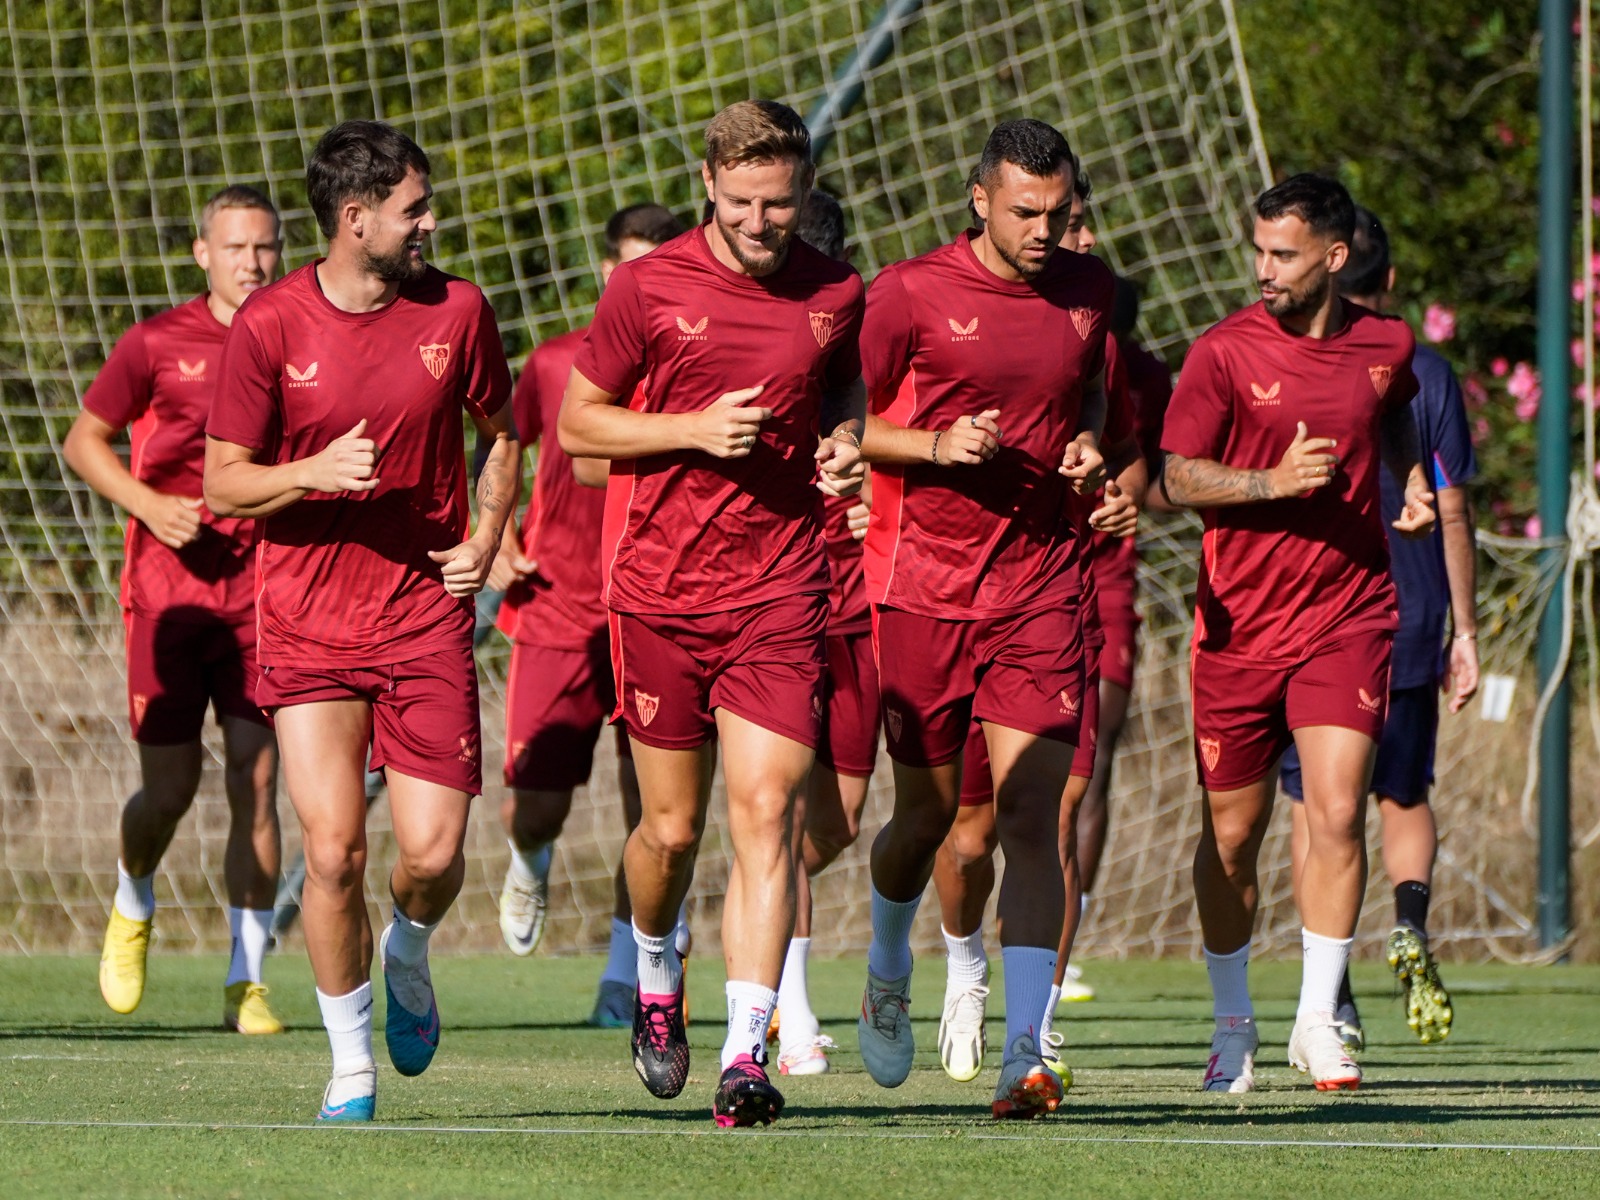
217, 501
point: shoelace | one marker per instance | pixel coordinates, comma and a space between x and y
524, 902
658, 1029
886, 1022
969, 1004
127, 953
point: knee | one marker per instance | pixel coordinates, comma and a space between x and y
430, 863
972, 842
1337, 820
670, 835
538, 817
832, 836
335, 863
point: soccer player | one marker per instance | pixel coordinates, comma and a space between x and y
828, 813
1275, 433
338, 425
744, 339
984, 363
1433, 578
559, 691
964, 870
188, 599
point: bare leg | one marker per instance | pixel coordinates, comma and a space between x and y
628, 784
674, 789
1336, 766
1094, 817
963, 872
255, 848
430, 827
1226, 886
534, 818
1410, 841
1071, 871
171, 776
925, 803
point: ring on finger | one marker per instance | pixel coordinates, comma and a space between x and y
747, 441
974, 419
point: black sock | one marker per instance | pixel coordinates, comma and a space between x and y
1346, 997
1411, 905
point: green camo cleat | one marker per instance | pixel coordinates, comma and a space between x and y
1428, 1009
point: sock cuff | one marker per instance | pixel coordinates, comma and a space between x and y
406, 922
342, 1014
1316, 939
652, 943
1242, 954
894, 905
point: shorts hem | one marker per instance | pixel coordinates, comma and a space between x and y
427, 775
810, 739
666, 743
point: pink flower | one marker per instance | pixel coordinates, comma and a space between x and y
1594, 206
1499, 367
1577, 352
1579, 287
1582, 396
1480, 429
1524, 382
1504, 133
1439, 323
1594, 264
1528, 409
1477, 395
1532, 527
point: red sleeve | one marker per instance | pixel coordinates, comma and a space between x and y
1403, 388
612, 355
887, 339
121, 392
487, 385
844, 362
245, 408
525, 402
1119, 408
1201, 412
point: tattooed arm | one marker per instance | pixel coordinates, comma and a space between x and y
1307, 464
465, 567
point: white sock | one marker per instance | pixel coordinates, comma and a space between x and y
251, 928
408, 941
1049, 1022
966, 965
660, 969
681, 938
799, 1022
530, 866
749, 1015
348, 1020
1030, 971
136, 894
1230, 983
1083, 909
1325, 962
889, 956
621, 956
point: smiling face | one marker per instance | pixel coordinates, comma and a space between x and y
1295, 265
239, 253
394, 232
757, 208
1025, 216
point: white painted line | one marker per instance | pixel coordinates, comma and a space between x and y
862, 1134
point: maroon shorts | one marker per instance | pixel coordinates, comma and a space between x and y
1024, 671
1119, 618
765, 663
850, 713
557, 701
177, 668
977, 783
424, 711
1244, 715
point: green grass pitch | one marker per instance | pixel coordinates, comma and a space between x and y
525, 1100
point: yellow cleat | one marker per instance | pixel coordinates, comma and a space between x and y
244, 1009
122, 962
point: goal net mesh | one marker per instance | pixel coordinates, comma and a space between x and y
542, 119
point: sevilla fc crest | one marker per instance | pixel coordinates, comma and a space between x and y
1211, 752
1082, 321
436, 358
821, 327
895, 720
647, 706
140, 704
1380, 379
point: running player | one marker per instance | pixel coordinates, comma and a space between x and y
559, 691
974, 573
828, 814
1433, 578
745, 341
964, 870
338, 424
188, 600
1275, 433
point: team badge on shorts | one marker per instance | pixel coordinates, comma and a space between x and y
648, 706
140, 704
821, 326
1210, 752
1380, 379
435, 357
895, 721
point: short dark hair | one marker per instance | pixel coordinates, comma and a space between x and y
358, 160
1319, 201
236, 195
1082, 188
1366, 271
653, 223
1124, 307
1037, 148
822, 224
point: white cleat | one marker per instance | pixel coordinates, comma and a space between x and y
1232, 1066
1028, 1086
522, 909
810, 1057
884, 1029
1073, 988
961, 1034
1316, 1049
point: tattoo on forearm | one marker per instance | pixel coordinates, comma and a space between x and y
1202, 483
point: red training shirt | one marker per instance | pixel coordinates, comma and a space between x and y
1115, 559
946, 338
686, 532
1281, 578
848, 610
345, 578
157, 385
559, 605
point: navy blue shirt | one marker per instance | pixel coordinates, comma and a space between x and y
1418, 566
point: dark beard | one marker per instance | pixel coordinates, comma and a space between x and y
1291, 304
1024, 268
398, 266
755, 266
